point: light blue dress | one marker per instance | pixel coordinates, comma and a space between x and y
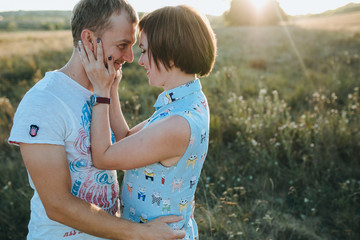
156, 190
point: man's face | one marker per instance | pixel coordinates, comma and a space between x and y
119, 40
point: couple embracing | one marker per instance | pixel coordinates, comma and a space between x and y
76, 192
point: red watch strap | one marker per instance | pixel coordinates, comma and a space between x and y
103, 100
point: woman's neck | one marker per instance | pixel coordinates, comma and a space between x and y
177, 78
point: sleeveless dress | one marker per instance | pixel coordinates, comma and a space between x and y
156, 190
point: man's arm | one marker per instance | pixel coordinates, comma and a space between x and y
49, 171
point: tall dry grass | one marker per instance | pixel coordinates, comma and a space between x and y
33, 42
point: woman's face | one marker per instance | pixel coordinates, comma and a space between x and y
157, 77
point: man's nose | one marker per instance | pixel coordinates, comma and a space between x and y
129, 56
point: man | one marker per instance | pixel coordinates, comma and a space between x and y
72, 199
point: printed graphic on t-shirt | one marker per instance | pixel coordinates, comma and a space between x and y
93, 185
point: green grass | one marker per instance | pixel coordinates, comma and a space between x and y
283, 161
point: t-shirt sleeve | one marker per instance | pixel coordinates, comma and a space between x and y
38, 120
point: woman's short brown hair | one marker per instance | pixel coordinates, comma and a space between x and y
95, 14
181, 35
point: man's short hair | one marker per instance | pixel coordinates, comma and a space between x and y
181, 35
95, 14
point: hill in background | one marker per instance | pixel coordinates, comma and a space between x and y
349, 8
346, 18
34, 20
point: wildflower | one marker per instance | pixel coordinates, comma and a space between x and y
282, 127
350, 96
334, 97
262, 92
277, 144
250, 177
306, 200
267, 218
293, 125
254, 142
312, 145
276, 163
316, 95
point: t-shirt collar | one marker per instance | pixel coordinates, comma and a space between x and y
177, 93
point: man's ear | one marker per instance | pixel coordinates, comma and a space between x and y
88, 39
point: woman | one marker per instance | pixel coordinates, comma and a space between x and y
166, 152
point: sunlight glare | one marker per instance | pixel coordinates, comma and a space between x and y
258, 4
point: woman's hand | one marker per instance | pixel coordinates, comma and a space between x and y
115, 86
101, 77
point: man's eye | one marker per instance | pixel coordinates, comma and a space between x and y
143, 51
122, 46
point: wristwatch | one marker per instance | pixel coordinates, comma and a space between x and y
94, 100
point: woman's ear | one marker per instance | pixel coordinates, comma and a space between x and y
88, 39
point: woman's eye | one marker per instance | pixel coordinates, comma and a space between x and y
143, 51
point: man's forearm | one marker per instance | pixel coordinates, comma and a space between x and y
89, 218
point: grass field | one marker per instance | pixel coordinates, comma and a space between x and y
33, 42
284, 153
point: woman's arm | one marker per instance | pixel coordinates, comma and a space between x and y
164, 141
118, 123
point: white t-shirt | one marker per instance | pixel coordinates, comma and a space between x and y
57, 111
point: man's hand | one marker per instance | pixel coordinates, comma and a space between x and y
158, 229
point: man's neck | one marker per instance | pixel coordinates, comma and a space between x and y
74, 69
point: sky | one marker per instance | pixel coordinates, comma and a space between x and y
213, 7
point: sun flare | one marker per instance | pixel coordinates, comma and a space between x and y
258, 4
